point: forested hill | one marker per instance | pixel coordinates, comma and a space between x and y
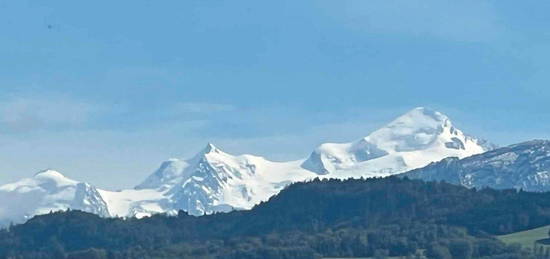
320, 218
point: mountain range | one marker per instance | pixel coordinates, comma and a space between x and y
524, 166
215, 181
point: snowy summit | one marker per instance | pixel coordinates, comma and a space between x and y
215, 181
411, 141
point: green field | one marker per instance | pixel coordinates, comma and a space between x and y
526, 238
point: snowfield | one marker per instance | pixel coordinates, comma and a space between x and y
215, 181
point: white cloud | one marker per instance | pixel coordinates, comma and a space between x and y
22, 114
202, 107
470, 20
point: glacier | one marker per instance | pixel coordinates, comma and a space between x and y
45, 192
214, 181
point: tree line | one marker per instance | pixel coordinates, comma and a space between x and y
322, 218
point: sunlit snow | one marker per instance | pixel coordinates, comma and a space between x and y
215, 181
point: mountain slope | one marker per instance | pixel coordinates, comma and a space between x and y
522, 166
413, 140
215, 181
48, 191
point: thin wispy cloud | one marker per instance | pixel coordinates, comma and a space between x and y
202, 107
24, 114
470, 21
105, 98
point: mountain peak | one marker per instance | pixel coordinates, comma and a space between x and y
177, 170
48, 190
421, 117
56, 177
414, 130
412, 140
49, 173
210, 148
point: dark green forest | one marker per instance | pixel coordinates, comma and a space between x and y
322, 218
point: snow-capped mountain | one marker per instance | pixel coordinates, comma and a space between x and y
411, 141
215, 181
47, 191
522, 166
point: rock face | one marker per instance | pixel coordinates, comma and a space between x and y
523, 166
215, 181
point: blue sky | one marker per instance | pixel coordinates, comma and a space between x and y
105, 90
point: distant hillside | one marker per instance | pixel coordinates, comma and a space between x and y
524, 166
322, 218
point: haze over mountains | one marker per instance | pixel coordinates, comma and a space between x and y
215, 181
